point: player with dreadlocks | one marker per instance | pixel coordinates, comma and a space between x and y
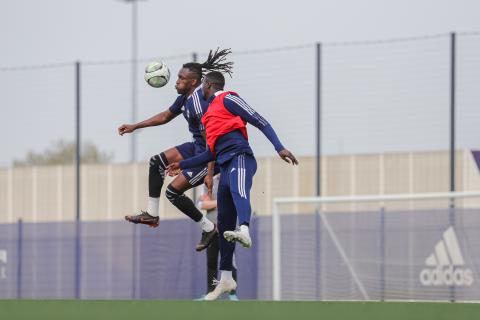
192, 104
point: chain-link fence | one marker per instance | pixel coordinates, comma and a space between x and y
382, 96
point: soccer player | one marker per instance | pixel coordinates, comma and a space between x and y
192, 104
208, 201
227, 139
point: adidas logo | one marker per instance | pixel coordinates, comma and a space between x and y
446, 266
233, 169
190, 173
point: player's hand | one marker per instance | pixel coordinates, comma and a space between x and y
204, 197
288, 157
126, 128
208, 180
173, 169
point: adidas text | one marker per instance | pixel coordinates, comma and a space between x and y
446, 276
446, 265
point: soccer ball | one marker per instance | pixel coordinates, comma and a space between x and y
157, 74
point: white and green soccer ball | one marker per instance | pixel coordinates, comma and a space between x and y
157, 74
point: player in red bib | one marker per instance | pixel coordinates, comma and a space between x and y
227, 139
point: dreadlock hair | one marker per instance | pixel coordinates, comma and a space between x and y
216, 61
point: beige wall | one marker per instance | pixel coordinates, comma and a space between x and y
112, 191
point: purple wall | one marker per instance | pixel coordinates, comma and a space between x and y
116, 260
403, 255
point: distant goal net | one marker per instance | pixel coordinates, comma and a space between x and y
384, 247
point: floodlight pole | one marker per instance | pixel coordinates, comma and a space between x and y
133, 150
133, 140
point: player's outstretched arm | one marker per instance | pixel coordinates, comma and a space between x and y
200, 160
156, 120
288, 157
239, 107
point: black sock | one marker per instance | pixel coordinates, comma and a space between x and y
156, 174
183, 203
234, 275
212, 263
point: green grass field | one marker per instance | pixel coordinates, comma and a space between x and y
244, 310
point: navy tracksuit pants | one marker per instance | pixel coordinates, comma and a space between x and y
233, 200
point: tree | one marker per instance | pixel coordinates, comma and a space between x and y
63, 152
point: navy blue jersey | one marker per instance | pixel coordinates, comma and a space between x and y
233, 143
193, 108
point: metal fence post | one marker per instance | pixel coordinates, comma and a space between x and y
452, 110
276, 252
382, 253
255, 236
77, 180
318, 255
318, 163
19, 258
452, 138
77, 140
134, 263
318, 139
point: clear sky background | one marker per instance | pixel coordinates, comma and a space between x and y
36, 32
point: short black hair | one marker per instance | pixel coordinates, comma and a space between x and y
216, 78
195, 68
215, 62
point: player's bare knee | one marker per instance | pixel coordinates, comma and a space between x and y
181, 183
173, 155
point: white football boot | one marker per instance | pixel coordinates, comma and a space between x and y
239, 235
222, 286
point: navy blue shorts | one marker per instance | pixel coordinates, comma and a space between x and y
188, 150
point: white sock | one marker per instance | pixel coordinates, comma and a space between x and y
244, 229
225, 275
206, 224
153, 205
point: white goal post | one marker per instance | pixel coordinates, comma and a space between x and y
317, 201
